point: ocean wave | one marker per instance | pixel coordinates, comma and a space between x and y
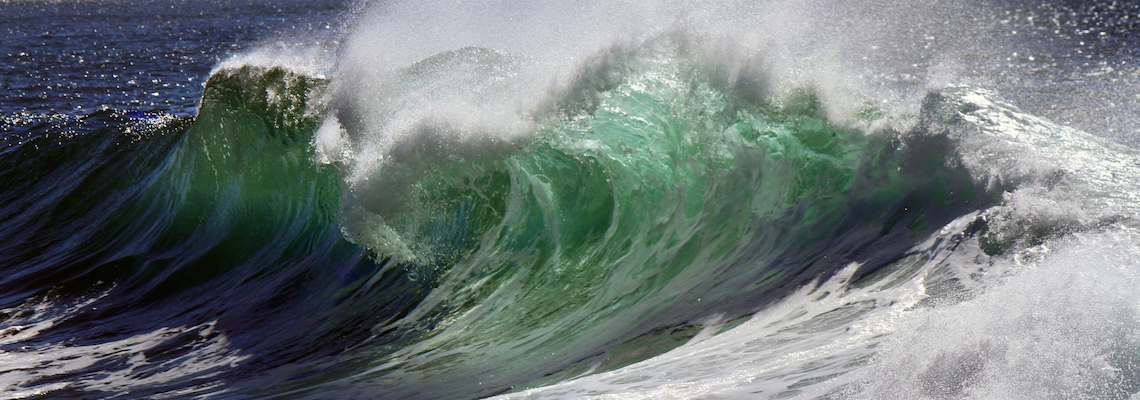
491, 219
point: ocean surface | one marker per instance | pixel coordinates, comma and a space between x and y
772, 199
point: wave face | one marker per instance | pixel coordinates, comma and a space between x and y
655, 210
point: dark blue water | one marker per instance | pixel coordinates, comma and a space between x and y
75, 57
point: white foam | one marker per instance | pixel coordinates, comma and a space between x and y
330, 142
1060, 327
1050, 331
814, 334
21, 367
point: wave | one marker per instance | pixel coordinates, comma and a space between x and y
640, 209
452, 229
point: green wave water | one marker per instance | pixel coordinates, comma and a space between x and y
655, 202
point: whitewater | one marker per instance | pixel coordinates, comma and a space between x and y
783, 199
